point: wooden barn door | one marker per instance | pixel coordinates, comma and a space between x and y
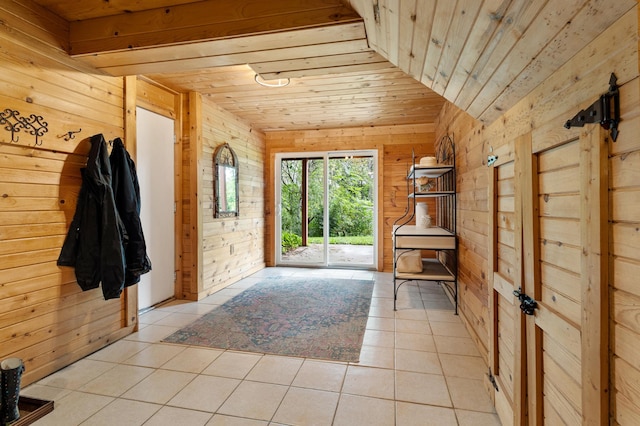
505, 267
565, 257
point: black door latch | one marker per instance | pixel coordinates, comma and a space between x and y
527, 304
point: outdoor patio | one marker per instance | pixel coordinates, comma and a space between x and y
338, 254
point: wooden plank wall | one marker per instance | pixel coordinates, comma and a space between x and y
232, 248
484, 55
45, 318
394, 145
188, 184
573, 87
472, 220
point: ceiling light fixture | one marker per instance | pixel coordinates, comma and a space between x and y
281, 82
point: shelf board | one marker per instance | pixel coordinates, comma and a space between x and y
432, 270
418, 171
431, 194
415, 237
417, 231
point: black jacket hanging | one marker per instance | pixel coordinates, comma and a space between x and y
94, 243
126, 192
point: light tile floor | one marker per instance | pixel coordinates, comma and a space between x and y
418, 366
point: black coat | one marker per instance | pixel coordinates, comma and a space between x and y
126, 192
94, 243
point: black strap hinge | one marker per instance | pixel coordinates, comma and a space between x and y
606, 111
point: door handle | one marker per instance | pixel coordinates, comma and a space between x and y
527, 304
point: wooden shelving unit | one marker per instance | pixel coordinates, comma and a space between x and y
439, 238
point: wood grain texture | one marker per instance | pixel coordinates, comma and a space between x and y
371, 96
502, 50
38, 76
203, 20
45, 318
484, 56
232, 248
569, 89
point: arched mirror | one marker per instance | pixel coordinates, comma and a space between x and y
225, 163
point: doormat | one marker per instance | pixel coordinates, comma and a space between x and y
306, 317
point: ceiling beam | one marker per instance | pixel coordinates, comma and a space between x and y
200, 21
215, 33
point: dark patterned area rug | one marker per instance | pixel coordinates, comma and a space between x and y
310, 317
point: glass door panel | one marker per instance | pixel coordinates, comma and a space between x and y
302, 193
351, 210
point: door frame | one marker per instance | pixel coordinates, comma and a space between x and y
278, 205
498, 286
145, 93
326, 156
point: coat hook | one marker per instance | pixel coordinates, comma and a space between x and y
14, 122
71, 134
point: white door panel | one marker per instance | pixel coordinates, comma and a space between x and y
155, 165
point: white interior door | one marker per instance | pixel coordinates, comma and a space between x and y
155, 166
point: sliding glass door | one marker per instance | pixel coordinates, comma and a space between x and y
326, 208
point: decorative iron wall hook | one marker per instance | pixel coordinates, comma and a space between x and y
37, 127
13, 122
71, 134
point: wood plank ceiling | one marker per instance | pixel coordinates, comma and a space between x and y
350, 63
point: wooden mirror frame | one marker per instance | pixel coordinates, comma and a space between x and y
225, 185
